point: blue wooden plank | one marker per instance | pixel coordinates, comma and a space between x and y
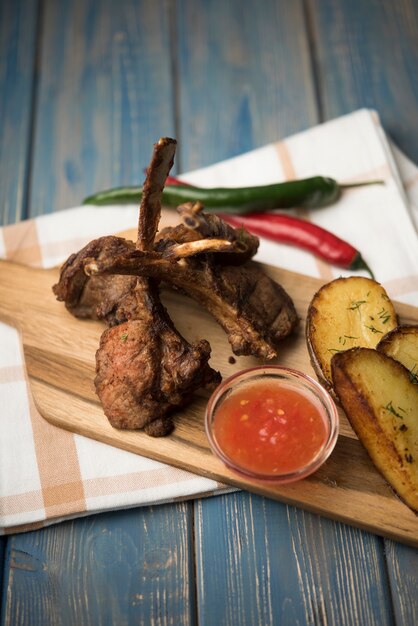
268, 565
367, 55
105, 96
403, 575
115, 568
245, 77
18, 27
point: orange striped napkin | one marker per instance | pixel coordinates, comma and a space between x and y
47, 474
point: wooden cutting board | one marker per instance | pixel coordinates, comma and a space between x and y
60, 359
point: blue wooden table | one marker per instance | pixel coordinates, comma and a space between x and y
86, 87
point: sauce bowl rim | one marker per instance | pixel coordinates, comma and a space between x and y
300, 379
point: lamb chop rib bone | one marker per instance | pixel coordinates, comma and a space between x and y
144, 367
202, 232
255, 311
102, 297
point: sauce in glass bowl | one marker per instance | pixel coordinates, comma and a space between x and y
272, 423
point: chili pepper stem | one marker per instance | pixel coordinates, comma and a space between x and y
361, 184
360, 264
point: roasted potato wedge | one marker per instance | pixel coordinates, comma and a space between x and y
381, 404
402, 344
346, 313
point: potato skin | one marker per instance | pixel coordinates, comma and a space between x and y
317, 366
401, 344
381, 404
346, 313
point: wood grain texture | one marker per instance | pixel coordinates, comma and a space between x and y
62, 385
403, 576
269, 570
245, 77
18, 31
105, 96
367, 55
103, 570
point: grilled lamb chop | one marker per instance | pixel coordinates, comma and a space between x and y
202, 258
144, 367
103, 297
201, 232
255, 311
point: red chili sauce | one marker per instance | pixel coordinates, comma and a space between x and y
269, 428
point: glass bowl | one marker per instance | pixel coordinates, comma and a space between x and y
280, 425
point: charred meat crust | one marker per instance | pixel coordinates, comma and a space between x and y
144, 367
140, 382
96, 299
255, 311
208, 234
150, 210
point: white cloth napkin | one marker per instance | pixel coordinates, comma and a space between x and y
47, 474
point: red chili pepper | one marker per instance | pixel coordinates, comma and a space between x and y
176, 182
295, 231
303, 234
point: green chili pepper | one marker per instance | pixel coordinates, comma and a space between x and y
315, 192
